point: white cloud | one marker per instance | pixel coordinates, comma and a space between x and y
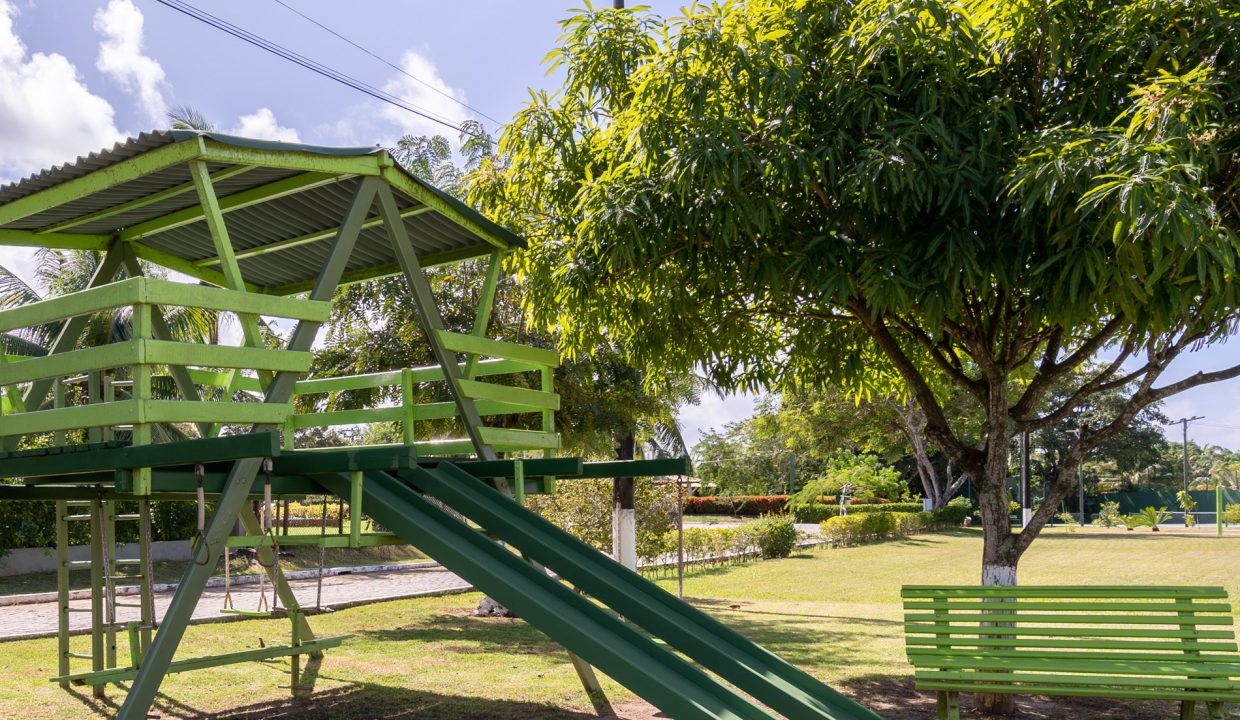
122, 59
47, 115
424, 98
713, 413
262, 125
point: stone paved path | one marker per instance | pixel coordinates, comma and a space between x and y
39, 620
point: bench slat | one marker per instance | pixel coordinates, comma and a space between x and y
1066, 680
1017, 632
1072, 642
1092, 691
931, 655
1161, 606
1001, 615
1119, 592
1089, 667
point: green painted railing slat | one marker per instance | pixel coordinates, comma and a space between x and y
1002, 615
497, 348
537, 400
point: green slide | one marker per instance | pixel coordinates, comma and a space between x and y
767, 677
668, 682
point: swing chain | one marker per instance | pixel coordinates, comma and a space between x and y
200, 541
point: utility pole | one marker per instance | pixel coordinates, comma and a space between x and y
1183, 422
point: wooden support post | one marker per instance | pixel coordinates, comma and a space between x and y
141, 391
147, 584
109, 580
96, 591
94, 395
240, 479
355, 509
408, 401
62, 590
427, 313
547, 378
486, 302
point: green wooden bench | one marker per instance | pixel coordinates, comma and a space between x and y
1155, 643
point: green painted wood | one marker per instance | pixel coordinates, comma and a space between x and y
327, 541
417, 375
459, 342
533, 466
238, 413
166, 292
401, 181
426, 311
159, 352
685, 629
83, 302
1118, 592
214, 151
141, 202
535, 399
188, 664
102, 179
74, 362
443, 257
306, 239
332, 460
486, 301
636, 468
1101, 641
115, 455
616, 648
1070, 606
1004, 616
240, 478
54, 241
236, 201
94, 415
520, 439
181, 265
349, 417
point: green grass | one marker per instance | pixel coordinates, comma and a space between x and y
834, 612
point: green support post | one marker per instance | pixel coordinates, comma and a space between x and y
141, 321
408, 402
146, 588
110, 575
97, 639
486, 301
547, 380
240, 478
267, 557
1218, 508
518, 482
427, 313
355, 509
62, 590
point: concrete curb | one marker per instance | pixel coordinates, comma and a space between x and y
247, 579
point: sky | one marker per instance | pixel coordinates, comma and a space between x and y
76, 77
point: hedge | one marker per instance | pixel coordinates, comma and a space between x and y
752, 505
848, 530
771, 536
32, 523
818, 512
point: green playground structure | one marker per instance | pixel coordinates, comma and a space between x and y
271, 230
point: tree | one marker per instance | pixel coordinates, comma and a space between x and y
863, 194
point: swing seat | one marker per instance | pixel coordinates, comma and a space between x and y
248, 613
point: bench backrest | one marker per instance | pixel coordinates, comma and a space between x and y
958, 636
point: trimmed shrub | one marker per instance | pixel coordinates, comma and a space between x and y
846, 530
757, 505
843, 530
775, 536
953, 513
1231, 514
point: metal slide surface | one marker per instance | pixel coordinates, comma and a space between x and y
668, 682
722, 650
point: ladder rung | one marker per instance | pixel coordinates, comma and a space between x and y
129, 516
126, 577
136, 561
78, 517
128, 605
73, 609
79, 656
77, 563
78, 503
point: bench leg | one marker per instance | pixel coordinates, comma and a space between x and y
948, 705
1214, 710
1188, 709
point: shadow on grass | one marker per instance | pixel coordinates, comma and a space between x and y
364, 701
468, 634
896, 698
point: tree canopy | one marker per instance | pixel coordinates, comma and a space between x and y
883, 194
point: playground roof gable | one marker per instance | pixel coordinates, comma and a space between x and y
283, 205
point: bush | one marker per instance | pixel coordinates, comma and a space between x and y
953, 513
1231, 514
1108, 515
584, 508
758, 505
775, 535
843, 530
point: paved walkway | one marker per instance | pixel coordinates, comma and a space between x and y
39, 619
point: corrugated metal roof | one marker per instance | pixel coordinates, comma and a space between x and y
306, 214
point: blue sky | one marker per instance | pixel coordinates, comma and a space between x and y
77, 76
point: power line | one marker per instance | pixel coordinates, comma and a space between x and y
385, 61
305, 62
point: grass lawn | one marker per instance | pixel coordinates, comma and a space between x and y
834, 612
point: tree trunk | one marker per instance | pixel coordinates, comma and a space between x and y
999, 558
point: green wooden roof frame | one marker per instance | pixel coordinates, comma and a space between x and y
74, 199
